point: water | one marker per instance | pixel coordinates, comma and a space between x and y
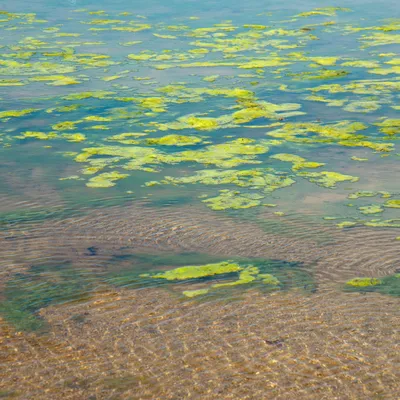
199, 200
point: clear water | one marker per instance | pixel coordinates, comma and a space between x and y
199, 200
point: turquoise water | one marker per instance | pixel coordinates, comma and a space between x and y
202, 158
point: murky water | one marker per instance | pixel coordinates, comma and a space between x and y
199, 200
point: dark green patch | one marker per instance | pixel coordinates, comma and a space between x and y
29, 216
26, 293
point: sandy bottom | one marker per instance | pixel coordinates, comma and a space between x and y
148, 344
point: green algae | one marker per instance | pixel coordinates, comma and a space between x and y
258, 48
325, 11
16, 113
174, 140
344, 133
326, 178
387, 285
233, 200
324, 74
64, 126
380, 39
377, 223
74, 137
297, 161
105, 180
392, 203
37, 135
362, 106
266, 180
354, 158
269, 275
195, 272
373, 209
195, 293
361, 64
246, 276
389, 126
367, 193
364, 282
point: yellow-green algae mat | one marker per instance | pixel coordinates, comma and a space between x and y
245, 275
251, 107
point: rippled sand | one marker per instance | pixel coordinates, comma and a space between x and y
149, 344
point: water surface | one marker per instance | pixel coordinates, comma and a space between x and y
199, 200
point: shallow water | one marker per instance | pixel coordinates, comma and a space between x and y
199, 200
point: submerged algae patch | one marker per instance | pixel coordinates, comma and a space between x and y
265, 274
194, 272
387, 285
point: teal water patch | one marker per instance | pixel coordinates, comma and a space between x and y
26, 293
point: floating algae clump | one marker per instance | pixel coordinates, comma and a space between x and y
374, 209
56, 80
342, 133
226, 155
201, 271
392, 204
364, 282
265, 179
16, 113
233, 200
325, 60
323, 74
327, 179
64, 126
297, 161
105, 180
326, 11
202, 124
37, 135
367, 193
262, 109
362, 106
74, 137
174, 140
389, 126
139, 157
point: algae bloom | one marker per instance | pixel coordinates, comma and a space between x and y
364, 282
201, 271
